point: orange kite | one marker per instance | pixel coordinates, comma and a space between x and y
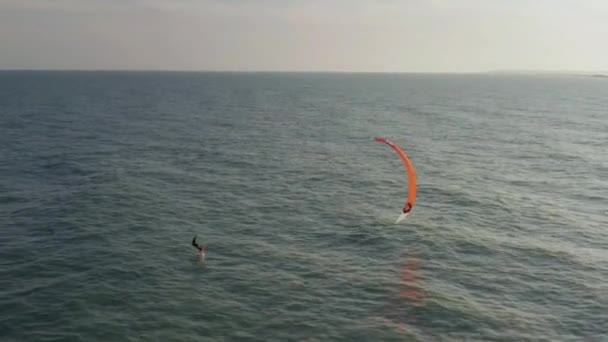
411, 176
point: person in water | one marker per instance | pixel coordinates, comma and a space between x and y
201, 248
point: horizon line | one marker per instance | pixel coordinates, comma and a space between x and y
494, 71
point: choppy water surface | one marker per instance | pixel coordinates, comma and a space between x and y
106, 177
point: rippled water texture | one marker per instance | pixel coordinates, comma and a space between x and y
106, 177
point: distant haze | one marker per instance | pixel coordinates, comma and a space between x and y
305, 35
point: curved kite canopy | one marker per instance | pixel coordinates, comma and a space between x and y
411, 176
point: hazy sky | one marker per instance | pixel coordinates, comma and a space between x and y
322, 35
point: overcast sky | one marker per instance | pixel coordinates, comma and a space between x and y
300, 35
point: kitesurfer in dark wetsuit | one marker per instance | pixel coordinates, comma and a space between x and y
201, 248
407, 208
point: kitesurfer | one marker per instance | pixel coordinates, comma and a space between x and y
407, 208
201, 248
411, 176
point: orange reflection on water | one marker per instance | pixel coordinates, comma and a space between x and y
401, 313
410, 288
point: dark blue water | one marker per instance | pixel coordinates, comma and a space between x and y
106, 177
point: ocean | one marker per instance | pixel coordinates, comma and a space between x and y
105, 178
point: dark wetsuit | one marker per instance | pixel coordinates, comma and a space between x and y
201, 248
407, 208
